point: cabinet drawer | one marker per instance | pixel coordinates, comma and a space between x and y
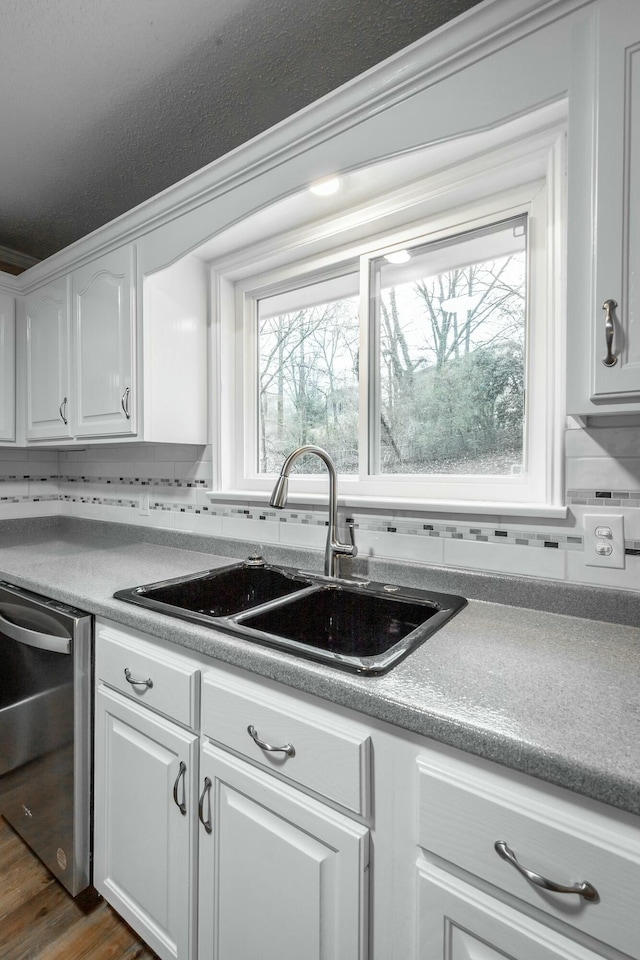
174, 679
330, 756
464, 811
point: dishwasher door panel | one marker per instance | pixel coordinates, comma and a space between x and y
45, 730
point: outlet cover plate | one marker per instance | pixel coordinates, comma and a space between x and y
601, 522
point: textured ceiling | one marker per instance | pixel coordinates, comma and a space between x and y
107, 102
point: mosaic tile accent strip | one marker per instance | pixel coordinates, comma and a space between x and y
405, 526
30, 499
31, 477
379, 524
604, 498
134, 481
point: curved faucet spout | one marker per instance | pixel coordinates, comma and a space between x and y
334, 549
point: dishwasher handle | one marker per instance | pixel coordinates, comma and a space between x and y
43, 641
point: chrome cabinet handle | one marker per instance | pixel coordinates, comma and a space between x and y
609, 326
288, 748
205, 792
182, 806
138, 683
63, 407
124, 403
585, 890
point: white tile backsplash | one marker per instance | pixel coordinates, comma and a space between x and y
600, 473
504, 558
398, 546
262, 531
599, 460
627, 579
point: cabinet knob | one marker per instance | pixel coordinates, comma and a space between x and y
584, 889
609, 307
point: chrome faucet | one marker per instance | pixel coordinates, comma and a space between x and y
334, 549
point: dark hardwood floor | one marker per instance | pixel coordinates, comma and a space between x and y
40, 921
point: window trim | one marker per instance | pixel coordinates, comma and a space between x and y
237, 285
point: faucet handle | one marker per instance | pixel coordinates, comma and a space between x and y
352, 537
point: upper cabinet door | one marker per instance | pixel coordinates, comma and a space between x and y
603, 250
7, 369
103, 327
47, 362
616, 368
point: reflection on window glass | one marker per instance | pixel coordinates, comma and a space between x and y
450, 383
308, 374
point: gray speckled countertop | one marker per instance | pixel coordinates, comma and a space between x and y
551, 695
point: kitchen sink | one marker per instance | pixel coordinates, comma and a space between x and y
362, 626
217, 593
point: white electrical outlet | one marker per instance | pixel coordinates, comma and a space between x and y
604, 540
143, 505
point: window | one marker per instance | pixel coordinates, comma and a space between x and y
422, 358
308, 358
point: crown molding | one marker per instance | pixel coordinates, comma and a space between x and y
475, 34
17, 259
10, 284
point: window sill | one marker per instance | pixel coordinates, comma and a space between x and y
406, 505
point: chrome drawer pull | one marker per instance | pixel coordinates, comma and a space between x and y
124, 403
138, 683
585, 890
205, 791
609, 306
182, 807
63, 411
288, 748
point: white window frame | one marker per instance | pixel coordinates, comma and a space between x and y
472, 203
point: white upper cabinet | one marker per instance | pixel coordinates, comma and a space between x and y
604, 214
7, 368
103, 328
108, 357
46, 317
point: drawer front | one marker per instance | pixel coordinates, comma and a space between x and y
329, 755
458, 922
174, 680
463, 812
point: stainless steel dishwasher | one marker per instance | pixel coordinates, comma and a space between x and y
45, 730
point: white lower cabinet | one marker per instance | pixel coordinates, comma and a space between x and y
210, 856
458, 922
144, 833
510, 867
235, 819
282, 876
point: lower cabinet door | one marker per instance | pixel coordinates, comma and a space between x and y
281, 875
145, 822
458, 922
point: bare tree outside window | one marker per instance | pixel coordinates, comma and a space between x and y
449, 322
308, 391
452, 357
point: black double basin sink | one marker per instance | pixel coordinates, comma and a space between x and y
361, 626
